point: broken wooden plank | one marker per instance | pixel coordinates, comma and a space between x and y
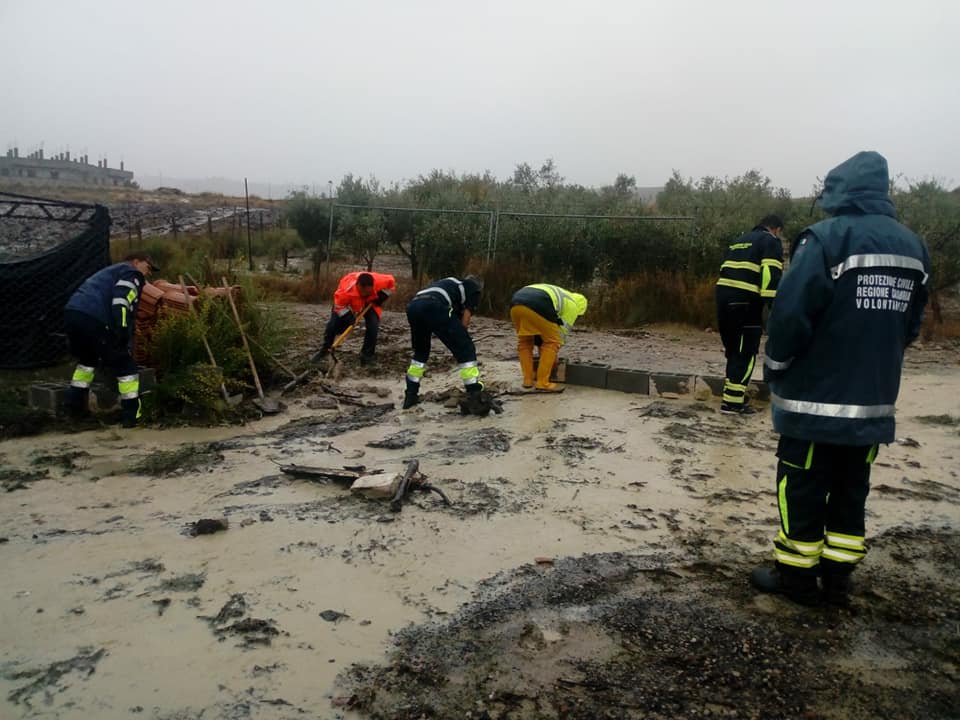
319, 473
396, 504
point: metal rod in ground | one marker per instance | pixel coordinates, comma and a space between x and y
246, 193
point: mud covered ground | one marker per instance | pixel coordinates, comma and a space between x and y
592, 562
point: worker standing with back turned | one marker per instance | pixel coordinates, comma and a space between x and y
846, 310
749, 276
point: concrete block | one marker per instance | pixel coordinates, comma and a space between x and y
714, 384
587, 374
49, 397
679, 383
628, 381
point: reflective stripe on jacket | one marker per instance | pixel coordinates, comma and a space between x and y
753, 264
845, 311
553, 303
459, 294
111, 296
347, 297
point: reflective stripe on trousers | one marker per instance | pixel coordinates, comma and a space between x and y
82, 377
128, 386
416, 371
469, 373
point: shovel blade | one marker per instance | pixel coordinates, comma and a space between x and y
267, 406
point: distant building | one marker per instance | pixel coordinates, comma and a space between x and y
60, 170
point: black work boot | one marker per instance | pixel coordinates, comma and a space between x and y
836, 589
410, 399
129, 412
801, 589
321, 353
728, 408
368, 360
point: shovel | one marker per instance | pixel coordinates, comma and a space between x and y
338, 341
266, 405
231, 400
295, 379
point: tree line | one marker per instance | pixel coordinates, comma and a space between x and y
587, 249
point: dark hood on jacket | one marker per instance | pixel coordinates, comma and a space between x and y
860, 184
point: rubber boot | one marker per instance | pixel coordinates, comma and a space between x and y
525, 351
129, 412
548, 355
320, 354
800, 588
77, 403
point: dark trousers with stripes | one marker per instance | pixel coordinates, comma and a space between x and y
821, 493
739, 318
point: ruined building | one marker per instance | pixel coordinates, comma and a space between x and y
59, 170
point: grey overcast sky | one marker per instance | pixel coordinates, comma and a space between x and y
301, 92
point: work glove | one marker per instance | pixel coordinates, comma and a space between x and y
382, 297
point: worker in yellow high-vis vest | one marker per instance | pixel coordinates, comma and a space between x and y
547, 312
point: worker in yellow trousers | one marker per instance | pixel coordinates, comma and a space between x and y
547, 312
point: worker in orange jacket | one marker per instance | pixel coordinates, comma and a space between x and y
355, 291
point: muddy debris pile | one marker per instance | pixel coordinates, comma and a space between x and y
50, 680
13, 479
187, 458
617, 636
251, 631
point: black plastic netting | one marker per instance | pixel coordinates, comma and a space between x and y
47, 249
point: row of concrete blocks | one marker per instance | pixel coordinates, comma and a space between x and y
641, 381
50, 397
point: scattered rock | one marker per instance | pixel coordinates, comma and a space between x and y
12, 479
207, 526
333, 616
397, 441
190, 582
235, 607
323, 402
162, 604
254, 631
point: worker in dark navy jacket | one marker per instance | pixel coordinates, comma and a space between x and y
444, 309
846, 309
99, 320
749, 276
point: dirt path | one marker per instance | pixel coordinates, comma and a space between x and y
646, 514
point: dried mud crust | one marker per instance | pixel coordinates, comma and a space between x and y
616, 636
